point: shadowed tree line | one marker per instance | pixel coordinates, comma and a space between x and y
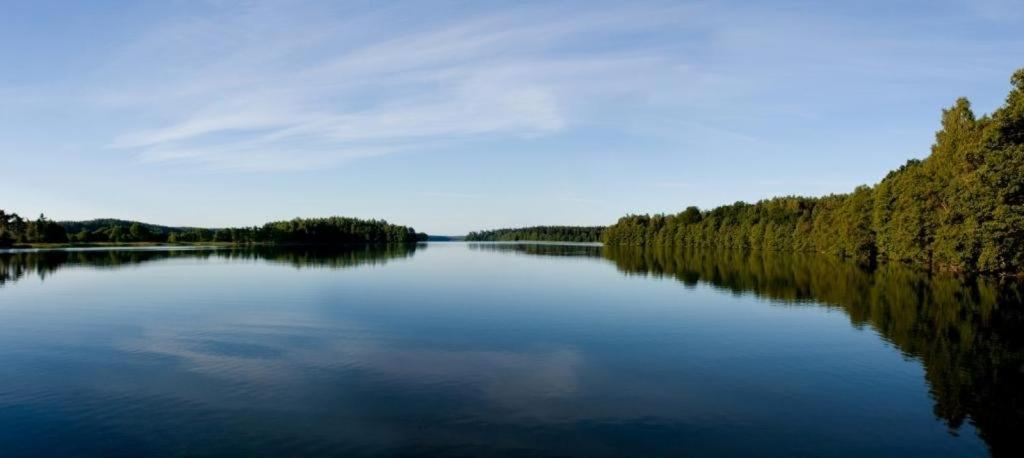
299, 231
968, 332
961, 208
15, 229
539, 234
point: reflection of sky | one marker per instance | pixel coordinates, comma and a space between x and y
451, 346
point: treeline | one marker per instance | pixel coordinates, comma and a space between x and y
15, 229
118, 231
961, 208
333, 230
539, 234
299, 231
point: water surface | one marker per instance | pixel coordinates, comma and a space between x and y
501, 349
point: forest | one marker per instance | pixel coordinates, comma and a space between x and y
961, 208
539, 234
15, 230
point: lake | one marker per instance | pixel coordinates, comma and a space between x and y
474, 349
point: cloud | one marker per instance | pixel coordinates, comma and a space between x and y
229, 96
260, 158
271, 354
274, 86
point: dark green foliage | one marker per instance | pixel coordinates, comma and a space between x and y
15, 229
299, 231
961, 208
539, 234
116, 230
333, 230
8, 235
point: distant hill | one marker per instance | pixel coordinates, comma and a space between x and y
539, 234
333, 230
93, 225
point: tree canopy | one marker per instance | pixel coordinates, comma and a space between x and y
333, 230
15, 229
539, 234
960, 208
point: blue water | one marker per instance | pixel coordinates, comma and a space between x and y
458, 349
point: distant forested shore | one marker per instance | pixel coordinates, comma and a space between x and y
18, 231
961, 208
539, 234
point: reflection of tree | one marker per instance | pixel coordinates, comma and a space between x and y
17, 265
324, 257
968, 332
540, 249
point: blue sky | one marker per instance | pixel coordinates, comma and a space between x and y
454, 116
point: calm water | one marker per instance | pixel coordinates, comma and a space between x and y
477, 349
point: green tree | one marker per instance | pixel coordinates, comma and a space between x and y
960, 208
138, 233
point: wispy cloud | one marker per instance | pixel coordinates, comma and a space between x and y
289, 102
267, 85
